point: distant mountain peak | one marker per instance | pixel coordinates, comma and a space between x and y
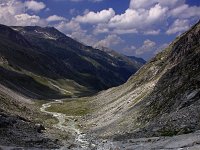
137, 59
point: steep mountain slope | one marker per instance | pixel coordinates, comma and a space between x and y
21, 122
44, 63
18, 61
140, 60
86, 65
162, 98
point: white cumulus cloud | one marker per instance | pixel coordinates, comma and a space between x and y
96, 17
138, 18
67, 27
149, 17
109, 41
147, 46
55, 18
178, 26
185, 11
152, 32
34, 5
25, 19
13, 12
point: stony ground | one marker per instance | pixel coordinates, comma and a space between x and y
22, 124
181, 142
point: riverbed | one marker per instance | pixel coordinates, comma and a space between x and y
68, 124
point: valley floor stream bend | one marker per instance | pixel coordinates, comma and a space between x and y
67, 124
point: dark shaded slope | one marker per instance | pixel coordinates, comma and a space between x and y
49, 55
20, 124
26, 85
93, 66
17, 55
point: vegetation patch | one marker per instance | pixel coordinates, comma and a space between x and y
169, 133
78, 107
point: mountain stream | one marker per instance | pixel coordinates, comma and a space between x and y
69, 126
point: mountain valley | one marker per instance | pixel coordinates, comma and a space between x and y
58, 93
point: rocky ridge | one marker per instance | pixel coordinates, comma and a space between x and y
161, 99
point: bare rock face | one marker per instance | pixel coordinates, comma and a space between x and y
161, 99
20, 126
183, 142
17, 131
6, 121
39, 128
175, 100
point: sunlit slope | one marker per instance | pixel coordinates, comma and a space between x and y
162, 98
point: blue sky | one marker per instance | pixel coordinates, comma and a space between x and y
133, 27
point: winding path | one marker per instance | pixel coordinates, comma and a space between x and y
68, 124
